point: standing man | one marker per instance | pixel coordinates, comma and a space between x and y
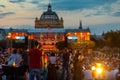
78, 62
65, 65
35, 62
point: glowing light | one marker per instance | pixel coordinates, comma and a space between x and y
20, 37
75, 33
9, 34
14, 64
72, 37
93, 68
98, 64
99, 70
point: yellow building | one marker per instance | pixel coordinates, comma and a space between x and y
78, 35
49, 19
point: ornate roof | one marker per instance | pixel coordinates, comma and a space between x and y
49, 14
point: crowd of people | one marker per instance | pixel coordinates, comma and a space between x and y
63, 65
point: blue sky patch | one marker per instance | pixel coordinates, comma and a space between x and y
80, 4
117, 14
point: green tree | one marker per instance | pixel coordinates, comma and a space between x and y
112, 39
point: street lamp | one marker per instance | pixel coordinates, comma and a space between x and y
9, 37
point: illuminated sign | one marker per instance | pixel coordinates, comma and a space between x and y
20, 39
72, 38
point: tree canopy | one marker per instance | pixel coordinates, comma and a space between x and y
110, 39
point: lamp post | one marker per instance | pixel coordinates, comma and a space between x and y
9, 37
66, 41
29, 43
11, 43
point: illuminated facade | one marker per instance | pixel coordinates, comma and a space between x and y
17, 34
78, 35
16, 38
48, 38
49, 30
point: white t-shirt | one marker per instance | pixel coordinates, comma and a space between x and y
52, 59
17, 58
115, 71
109, 75
87, 74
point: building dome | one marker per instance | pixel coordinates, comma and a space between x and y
49, 14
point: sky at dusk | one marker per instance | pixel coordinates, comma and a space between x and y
98, 15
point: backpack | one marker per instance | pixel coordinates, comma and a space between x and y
11, 62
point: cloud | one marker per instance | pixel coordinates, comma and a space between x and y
103, 10
92, 12
40, 2
2, 15
34, 2
89, 11
26, 18
71, 5
16, 1
117, 14
3, 6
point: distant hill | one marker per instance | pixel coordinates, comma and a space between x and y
99, 29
